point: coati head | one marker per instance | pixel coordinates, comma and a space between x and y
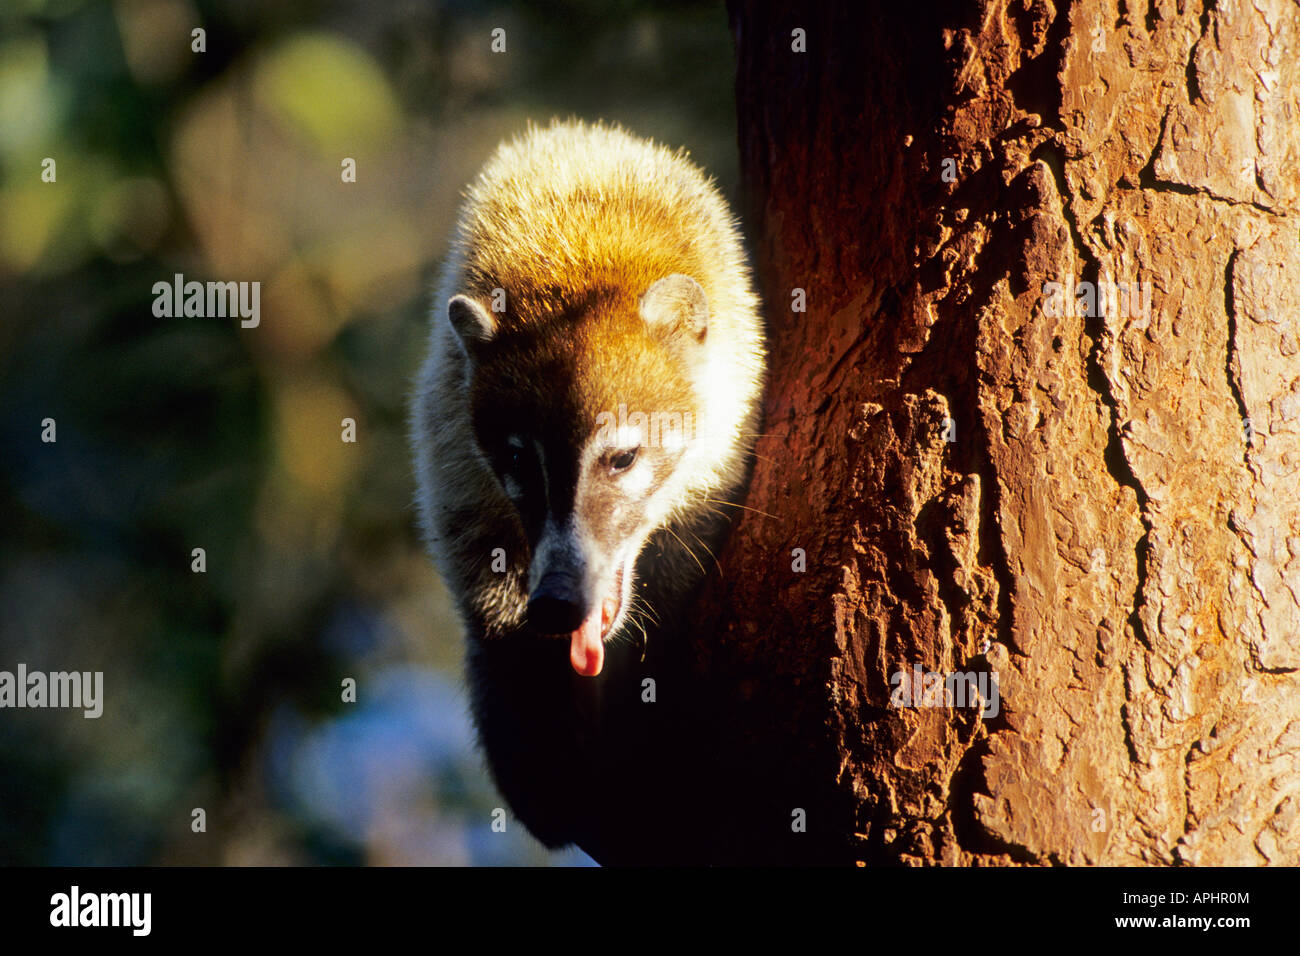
587, 418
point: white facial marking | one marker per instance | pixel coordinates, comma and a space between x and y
635, 481
627, 564
628, 436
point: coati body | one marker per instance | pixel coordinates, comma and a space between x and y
585, 414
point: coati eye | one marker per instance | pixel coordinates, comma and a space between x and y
623, 460
515, 448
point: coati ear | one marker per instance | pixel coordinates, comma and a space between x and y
470, 320
676, 305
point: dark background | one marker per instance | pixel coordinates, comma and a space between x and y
222, 689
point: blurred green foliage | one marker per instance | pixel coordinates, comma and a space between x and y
223, 688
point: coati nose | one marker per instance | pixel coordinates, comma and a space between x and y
556, 606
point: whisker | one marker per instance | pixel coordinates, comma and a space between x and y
637, 613
640, 606
687, 548
716, 562
645, 637
620, 637
732, 504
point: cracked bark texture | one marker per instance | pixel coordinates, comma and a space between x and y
1115, 531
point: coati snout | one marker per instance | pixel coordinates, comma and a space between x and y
584, 426
576, 600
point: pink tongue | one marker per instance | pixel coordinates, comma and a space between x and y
586, 650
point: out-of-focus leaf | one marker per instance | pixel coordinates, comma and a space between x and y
330, 92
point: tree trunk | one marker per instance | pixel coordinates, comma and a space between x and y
1093, 503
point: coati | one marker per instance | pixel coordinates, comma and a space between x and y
584, 417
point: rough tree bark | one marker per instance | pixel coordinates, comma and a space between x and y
1115, 531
